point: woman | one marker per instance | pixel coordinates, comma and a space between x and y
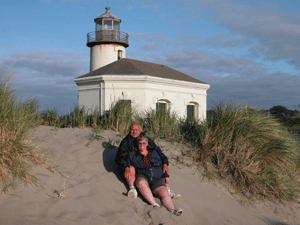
149, 175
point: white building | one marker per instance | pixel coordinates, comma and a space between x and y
144, 85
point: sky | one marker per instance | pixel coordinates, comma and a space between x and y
247, 51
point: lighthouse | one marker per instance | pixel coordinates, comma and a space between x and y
141, 85
107, 43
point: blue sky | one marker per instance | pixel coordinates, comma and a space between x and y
248, 51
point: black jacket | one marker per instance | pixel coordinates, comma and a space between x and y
129, 144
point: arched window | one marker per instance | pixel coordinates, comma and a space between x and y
163, 104
192, 110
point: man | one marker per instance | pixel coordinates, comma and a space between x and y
129, 144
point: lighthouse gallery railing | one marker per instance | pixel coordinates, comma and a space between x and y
107, 35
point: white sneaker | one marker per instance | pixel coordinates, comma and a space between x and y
132, 193
173, 195
156, 205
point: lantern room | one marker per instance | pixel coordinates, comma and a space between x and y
107, 21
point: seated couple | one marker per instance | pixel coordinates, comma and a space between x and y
147, 167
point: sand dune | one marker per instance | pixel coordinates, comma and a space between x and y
94, 194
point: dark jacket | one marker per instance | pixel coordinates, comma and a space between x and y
129, 144
136, 160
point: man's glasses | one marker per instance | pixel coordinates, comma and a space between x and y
134, 130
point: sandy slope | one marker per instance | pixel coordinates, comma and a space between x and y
95, 194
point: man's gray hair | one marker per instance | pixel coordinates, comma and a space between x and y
136, 123
142, 137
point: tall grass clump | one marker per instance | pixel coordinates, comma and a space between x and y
17, 153
120, 116
78, 118
191, 131
250, 150
50, 118
93, 118
160, 124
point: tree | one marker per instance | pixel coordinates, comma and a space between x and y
279, 110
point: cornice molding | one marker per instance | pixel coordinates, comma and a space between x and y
141, 78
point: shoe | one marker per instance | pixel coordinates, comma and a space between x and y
173, 195
156, 205
176, 212
132, 193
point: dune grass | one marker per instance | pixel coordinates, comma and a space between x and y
159, 124
121, 116
18, 153
118, 118
249, 149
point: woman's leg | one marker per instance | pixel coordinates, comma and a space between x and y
145, 190
164, 195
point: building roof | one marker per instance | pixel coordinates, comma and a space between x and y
127, 66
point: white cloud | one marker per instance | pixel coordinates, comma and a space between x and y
129, 7
46, 75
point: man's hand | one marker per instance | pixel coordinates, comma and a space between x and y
166, 169
129, 173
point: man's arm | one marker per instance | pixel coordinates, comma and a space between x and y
122, 154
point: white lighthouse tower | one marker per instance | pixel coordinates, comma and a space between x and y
107, 43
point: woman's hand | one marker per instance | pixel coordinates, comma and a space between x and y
166, 169
167, 181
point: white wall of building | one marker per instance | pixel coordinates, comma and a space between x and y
143, 91
101, 55
89, 95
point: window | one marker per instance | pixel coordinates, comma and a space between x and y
99, 25
192, 110
116, 25
163, 105
107, 25
120, 54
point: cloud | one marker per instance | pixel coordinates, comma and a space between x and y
46, 62
150, 47
153, 38
46, 75
262, 92
225, 40
275, 29
150, 4
74, 0
129, 7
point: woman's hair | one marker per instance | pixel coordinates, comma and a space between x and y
142, 137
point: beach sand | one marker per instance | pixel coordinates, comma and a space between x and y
94, 193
